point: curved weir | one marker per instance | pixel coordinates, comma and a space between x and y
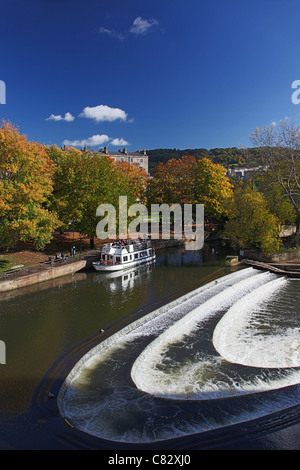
225, 353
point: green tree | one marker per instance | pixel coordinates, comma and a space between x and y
280, 151
85, 180
250, 222
69, 184
25, 185
212, 187
276, 199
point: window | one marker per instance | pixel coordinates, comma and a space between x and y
141, 160
125, 258
136, 256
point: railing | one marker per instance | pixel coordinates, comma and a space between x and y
136, 245
141, 245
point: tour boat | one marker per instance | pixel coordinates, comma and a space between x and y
124, 254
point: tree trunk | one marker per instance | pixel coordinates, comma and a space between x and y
298, 223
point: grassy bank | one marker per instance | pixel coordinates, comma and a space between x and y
24, 258
25, 254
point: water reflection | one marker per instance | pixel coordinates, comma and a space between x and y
125, 280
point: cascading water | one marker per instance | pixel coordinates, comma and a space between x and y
199, 363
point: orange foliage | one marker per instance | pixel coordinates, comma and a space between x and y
25, 183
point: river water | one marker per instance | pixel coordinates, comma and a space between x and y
227, 354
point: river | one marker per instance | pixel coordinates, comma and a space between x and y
186, 375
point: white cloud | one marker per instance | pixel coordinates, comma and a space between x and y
89, 142
119, 142
52, 117
112, 33
104, 113
141, 26
68, 117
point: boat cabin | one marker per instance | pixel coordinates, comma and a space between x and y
122, 252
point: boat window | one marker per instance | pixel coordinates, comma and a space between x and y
136, 256
125, 258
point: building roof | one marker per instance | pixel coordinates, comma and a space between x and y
119, 153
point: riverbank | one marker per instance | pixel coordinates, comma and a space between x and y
289, 270
33, 267
23, 276
283, 263
45, 272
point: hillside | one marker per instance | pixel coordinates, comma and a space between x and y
228, 157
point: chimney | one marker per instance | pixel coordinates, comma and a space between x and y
144, 151
125, 150
105, 150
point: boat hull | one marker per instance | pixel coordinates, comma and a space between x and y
121, 267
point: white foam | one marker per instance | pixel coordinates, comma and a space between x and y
117, 410
152, 323
239, 343
193, 378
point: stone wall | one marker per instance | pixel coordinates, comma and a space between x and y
289, 256
47, 274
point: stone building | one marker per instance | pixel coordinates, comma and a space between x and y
244, 173
139, 157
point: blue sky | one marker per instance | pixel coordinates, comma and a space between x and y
148, 73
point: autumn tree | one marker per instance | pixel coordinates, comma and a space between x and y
212, 187
188, 181
250, 223
137, 180
173, 181
25, 185
280, 151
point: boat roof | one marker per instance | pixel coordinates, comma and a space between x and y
120, 245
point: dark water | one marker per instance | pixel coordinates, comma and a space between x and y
43, 323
